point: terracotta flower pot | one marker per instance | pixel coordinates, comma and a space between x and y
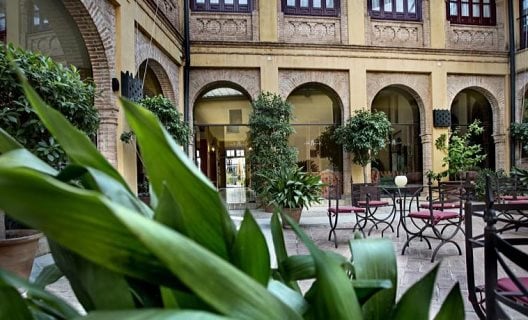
18, 250
294, 213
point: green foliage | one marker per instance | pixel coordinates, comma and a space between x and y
460, 154
59, 86
269, 130
329, 148
364, 134
480, 181
183, 259
168, 115
519, 131
292, 188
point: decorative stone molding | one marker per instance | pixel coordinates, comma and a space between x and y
384, 33
170, 9
491, 87
471, 37
311, 30
227, 27
166, 70
246, 81
335, 81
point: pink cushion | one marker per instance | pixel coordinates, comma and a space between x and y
438, 205
512, 197
346, 209
437, 215
374, 203
507, 285
517, 201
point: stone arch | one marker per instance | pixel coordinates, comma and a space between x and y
327, 89
165, 68
335, 81
418, 86
246, 81
492, 88
163, 78
96, 27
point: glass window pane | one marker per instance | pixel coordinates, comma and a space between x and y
317, 3
476, 10
228, 1
453, 9
200, 1
465, 10
242, 2
525, 5
290, 3
214, 1
388, 6
304, 3
486, 12
399, 5
330, 4
376, 5
411, 6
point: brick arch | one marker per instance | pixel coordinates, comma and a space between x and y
246, 81
96, 25
163, 78
418, 86
492, 88
335, 81
327, 90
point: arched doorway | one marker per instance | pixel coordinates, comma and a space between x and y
403, 154
470, 105
221, 117
151, 83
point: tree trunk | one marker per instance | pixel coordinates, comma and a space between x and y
2, 225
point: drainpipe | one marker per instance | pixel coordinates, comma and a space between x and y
511, 28
186, 67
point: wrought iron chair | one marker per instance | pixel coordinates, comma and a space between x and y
368, 197
510, 290
436, 221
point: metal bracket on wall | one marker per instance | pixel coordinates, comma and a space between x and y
131, 87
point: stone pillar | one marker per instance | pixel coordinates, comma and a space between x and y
437, 10
268, 11
13, 22
356, 22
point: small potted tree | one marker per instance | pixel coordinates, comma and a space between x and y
269, 130
63, 89
364, 135
291, 189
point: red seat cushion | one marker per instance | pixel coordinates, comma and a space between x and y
438, 205
374, 203
512, 197
507, 285
437, 215
517, 201
346, 209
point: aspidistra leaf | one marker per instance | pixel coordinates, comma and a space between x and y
153, 314
453, 305
7, 142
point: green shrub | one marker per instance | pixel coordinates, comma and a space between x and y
59, 86
183, 259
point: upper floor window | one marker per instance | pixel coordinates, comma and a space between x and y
221, 5
396, 9
311, 7
480, 12
524, 23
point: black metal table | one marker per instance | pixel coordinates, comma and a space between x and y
403, 198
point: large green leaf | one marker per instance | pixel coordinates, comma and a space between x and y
153, 314
453, 306
12, 306
250, 251
54, 305
280, 251
415, 302
92, 230
168, 212
217, 282
335, 297
23, 158
48, 275
374, 259
206, 218
75, 143
7, 142
291, 297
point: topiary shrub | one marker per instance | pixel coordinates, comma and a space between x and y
59, 86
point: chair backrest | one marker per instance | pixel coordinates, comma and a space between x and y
451, 192
362, 191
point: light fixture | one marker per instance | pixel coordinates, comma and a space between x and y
400, 181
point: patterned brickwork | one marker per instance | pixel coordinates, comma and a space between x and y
224, 27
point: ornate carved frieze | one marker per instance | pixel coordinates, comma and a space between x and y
396, 34
311, 30
471, 37
221, 27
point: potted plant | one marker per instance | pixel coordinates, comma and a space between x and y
292, 189
269, 130
460, 154
137, 265
364, 135
172, 121
61, 87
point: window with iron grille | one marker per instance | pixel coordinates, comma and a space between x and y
523, 6
477, 12
311, 7
221, 5
395, 9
